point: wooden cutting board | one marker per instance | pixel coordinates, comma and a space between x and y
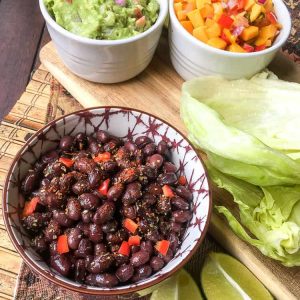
157, 91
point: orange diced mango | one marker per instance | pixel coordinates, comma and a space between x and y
200, 34
236, 48
249, 33
207, 11
181, 15
231, 38
188, 26
256, 10
266, 33
201, 3
178, 6
249, 4
213, 30
217, 43
196, 18
189, 6
218, 10
269, 5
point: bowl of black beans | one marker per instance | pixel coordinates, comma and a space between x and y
107, 201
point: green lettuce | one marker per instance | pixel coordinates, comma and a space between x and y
271, 214
236, 126
249, 132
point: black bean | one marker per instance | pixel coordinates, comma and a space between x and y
110, 227
36, 221
156, 263
162, 148
53, 200
89, 201
94, 147
132, 193
184, 193
94, 178
95, 234
102, 136
74, 238
87, 260
109, 166
117, 238
61, 218
100, 248
149, 149
80, 140
80, 270
101, 263
154, 189
87, 216
52, 231
180, 203
147, 246
61, 263
40, 244
156, 161
85, 247
66, 143
104, 213
181, 216
153, 235
167, 178
163, 205
120, 259
175, 227
129, 212
139, 258
141, 273
142, 141
149, 172
134, 248
124, 273
84, 165
102, 280
131, 147
168, 167
30, 182
115, 192
174, 241
73, 209
80, 187
128, 175
49, 157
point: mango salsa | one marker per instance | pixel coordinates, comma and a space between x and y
232, 25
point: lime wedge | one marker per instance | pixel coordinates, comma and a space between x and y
181, 286
223, 277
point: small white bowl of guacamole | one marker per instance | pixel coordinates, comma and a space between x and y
105, 41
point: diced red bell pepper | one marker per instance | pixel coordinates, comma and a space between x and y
103, 188
62, 244
248, 47
66, 161
182, 179
124, 248
241, 4
259, 48
225, 21
272, 17
30, 206
162, 246
167, 191
102, 157
134, 240
130, 225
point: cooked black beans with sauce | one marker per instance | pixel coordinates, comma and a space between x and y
106, 212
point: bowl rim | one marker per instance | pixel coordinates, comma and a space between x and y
163, 11
279, 6
82, 289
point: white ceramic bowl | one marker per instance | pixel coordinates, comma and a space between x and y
104, 60
128, 124
193, 58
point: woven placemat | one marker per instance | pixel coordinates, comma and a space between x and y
32, 286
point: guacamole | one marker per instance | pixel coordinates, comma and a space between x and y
104, 19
